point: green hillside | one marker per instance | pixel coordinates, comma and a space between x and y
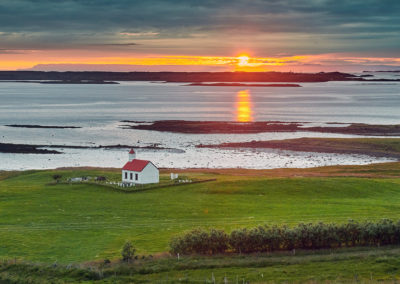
43, 221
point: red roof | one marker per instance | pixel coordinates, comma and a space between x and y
135, 165
131, 151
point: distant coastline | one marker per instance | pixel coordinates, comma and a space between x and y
178, 77
61, 82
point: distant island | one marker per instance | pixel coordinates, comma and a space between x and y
230, 127
178, 77
79, 82
382, 71
60, 81
40, 126
242, 85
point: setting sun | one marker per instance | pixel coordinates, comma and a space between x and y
243, 60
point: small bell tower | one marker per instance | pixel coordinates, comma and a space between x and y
132, 155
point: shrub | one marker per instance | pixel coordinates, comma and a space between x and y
200, 241
302, 236
128, 252
57, 177
107, 261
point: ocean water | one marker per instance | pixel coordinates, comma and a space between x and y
84, 105
98, 109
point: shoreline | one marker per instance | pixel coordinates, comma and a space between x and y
373, 147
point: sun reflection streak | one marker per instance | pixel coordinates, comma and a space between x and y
243, 106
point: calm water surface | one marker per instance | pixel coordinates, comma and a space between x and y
365, 102
98, 109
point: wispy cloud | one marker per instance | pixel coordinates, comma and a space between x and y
145, 34
117, 44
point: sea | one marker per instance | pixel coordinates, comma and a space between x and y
99, 109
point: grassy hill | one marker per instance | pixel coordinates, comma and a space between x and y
46, 222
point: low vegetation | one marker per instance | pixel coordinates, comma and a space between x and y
128, 252
278, 238
347, 265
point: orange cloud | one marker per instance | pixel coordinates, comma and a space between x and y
28, 58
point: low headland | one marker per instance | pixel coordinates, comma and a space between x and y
42, 126
376, 147
41, 149
25, 149
213, 127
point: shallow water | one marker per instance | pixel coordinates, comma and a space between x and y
99, 108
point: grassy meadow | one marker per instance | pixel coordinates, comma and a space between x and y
72, 223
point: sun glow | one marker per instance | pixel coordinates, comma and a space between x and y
243, 60
243, 106
248, 64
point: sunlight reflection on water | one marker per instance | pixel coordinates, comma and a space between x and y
244, 111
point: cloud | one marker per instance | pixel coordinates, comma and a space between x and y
118, 44
267, 15
266, 27
139, 34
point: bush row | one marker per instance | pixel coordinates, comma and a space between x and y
273, 238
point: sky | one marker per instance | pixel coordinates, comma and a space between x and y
200, 35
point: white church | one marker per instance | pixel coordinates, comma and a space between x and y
138, 171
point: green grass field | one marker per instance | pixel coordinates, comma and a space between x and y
82, 222
339, 266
